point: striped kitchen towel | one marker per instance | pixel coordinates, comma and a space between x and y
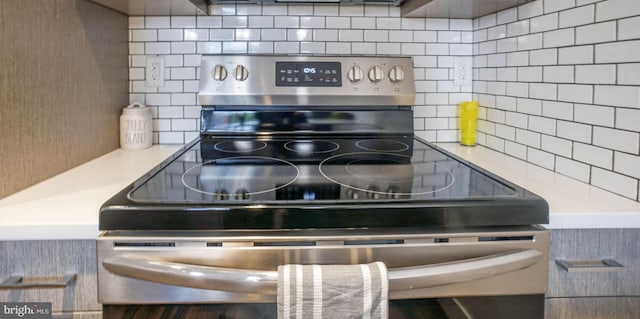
333, 291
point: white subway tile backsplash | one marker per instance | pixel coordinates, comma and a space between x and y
515, 150
320, 48
628, 119
144, 35
506, 103
487, 21
543, 57
412, 24
616, 9
157, 22
530, 74
559, 74
627, 164
596, 74
593, 155
183, 22
222, 9
544, 23
507, 74
557, 146
545, 91
294, 47
576, 55
626, 96
506, 16
628, 28
518, 89
460, 24
208, 22
542, 125
517, 120
557, 110
573, 169
436, 24
507, 45
517, 28
518, 58
497, 32
157, 48
528, 138
235, 21
559, 38
268, 22
529, 106
248, 9
209, 47
530, 42
575, 93
618, 140
541, 158
222, 35
286, 22
617, 183
557, 5
628, 74
596, 33
594, 114
319, 23
616, 52
578, 16
505, 132
574, 131
531, 9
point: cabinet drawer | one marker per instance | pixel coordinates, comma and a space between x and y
593, 308
589, 246
44, 261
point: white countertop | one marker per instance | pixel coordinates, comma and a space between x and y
66, 206
572, 204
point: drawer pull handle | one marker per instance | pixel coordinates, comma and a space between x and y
19, 282
604, 265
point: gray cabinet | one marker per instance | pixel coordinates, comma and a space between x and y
45, 263
594, 273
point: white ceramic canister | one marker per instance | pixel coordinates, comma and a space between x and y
136, 127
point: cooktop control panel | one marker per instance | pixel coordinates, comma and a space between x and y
308, 74
273, 80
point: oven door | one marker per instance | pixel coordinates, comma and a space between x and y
495, 273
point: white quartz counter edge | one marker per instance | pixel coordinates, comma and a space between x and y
572, 204
66, 206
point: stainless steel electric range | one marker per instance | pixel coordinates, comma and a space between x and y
313, 160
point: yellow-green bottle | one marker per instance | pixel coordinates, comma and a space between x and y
468, 121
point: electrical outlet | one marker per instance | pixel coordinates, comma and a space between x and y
154, 76
462, 71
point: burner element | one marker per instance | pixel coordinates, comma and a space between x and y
242, 176
308, 147
382, 145
376, 175
240, 146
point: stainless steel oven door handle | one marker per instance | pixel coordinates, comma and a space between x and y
265, 282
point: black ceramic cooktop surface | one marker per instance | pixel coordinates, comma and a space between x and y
276, 183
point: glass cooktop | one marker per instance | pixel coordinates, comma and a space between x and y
280, 183
302, 171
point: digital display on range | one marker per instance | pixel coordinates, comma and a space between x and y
308, 74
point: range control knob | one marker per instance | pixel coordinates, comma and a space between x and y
396, 74
355, 74
242, 194
221, 194
219, 73
375, 74
241, 73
